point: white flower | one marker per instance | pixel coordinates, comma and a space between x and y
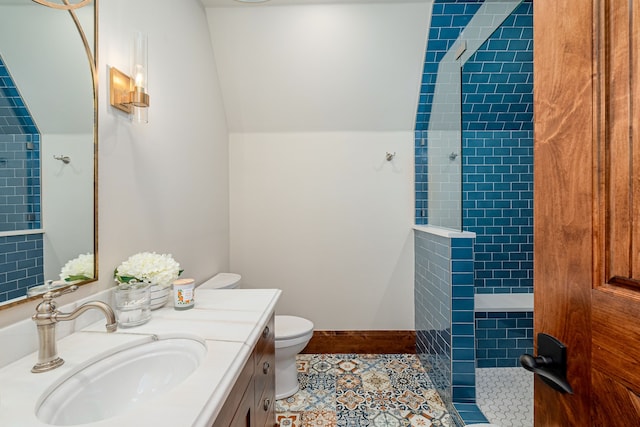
80, 268
148, 267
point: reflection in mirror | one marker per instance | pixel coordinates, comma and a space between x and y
47, 147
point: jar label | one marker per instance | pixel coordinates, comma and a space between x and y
184, 296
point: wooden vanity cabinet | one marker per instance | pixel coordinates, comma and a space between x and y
251, 402
265, 378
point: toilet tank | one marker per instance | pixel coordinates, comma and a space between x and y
222, 281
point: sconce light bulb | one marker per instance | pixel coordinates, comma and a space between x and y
139, 61
139, 78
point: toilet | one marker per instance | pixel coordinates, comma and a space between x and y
292, 334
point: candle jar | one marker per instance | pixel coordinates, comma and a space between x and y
183, 294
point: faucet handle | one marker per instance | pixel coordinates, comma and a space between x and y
55, 294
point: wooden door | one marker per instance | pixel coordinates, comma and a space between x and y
587, 206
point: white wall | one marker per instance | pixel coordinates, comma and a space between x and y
67, 199
41, 45
316, 209
320, 67
163, 186
316, 95
325, 218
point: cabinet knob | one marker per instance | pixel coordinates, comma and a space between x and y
265, 368
266, 404
266, 331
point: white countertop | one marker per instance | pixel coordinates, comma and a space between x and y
230, 322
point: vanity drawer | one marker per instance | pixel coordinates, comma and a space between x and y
265, 373
251, 402
264, 377
239, 399
265, 407
267, 338
265, 388
265, 369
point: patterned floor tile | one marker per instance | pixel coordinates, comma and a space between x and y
364, 390
319, 419
375, 381
288, 419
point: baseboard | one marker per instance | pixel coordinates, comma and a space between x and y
362, 342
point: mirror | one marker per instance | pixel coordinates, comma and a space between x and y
48, 143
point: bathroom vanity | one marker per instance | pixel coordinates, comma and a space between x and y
231, 383
252, 399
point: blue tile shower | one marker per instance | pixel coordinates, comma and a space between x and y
21, 253
492, 128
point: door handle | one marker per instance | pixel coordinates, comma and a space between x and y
551, 365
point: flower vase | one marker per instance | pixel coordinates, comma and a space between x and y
132, 304
159, 296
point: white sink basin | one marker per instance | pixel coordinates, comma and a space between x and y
119, 380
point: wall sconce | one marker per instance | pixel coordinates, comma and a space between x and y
129, 94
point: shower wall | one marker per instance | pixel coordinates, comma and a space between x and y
492, 44
21, 254
497, 151
497, 192
437, 128
444, 300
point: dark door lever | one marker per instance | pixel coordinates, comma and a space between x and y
551, 365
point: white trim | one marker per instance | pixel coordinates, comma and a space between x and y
445, 232
503, 302
21, 232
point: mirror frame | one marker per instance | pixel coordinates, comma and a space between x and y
92, 57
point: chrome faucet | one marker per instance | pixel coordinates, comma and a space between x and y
46, 318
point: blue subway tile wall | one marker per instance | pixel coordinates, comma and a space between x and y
463, 377
502, 337
21, 264
19, 160
444, 311
497, 194
21, 257
432, 292
19, 182
15, 118
497, 147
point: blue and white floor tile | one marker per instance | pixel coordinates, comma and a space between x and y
354, 390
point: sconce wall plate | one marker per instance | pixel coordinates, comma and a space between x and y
120, 86
123, 94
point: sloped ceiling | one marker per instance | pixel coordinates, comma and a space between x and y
347, 66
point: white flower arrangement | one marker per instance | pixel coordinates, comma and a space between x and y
79, 268
148, 267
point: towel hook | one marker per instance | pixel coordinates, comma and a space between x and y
63, 159
390, 156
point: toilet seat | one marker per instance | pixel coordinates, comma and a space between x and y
288, 327
292, 330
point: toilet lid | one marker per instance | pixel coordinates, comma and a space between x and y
288, 327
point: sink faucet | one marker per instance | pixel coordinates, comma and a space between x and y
46, 318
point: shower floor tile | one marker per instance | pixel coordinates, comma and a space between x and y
505, 396
362, 390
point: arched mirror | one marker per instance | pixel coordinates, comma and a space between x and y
48, 144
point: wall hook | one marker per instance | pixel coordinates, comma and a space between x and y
390, 156
63, 159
